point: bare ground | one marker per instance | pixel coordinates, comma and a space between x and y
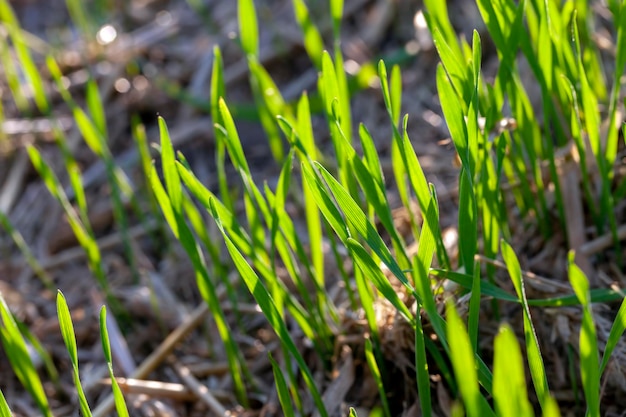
163, 51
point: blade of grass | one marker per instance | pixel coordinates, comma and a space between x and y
330, 87
288, 242
27, 63
96, 110
373, 366
204, 281
13, 78
336, 13
325, 204
598, 295
120, 403
288, 236
218, 91
455, 67
400, 153
248, 27
69, 338
313, 221
509, 381
464, 365
592, 125
40, 350
313, 42
452, 110
551, 408
422, 191
86, 240
367, 265
535, 360
615, 335
436, 15
576, 128
141, 140
171, 205
17, 353
588, 342
467, 281
281, 389
344, 111
395, 84
421, 366
473, 318
620, 63
267, 97
468, 221
235, 151
367, 298
5, 411
94, 133
261, 295
358, 221
79, 16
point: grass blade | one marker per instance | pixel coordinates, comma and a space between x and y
464, 365
336, 12
535, 360
551, 408
509, 381
468, 221
617, 330
28, 66
5, 411
281, 389
248, 29
120, 404
67, 330
17, 353
313, 42
421, 367
79, 16
452, 110
588, 342
373, 366
436, 15
474, 308
205, 283
94, 104
263, 298
82, 233
313, 221
367, 265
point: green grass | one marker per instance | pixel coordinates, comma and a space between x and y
345, 203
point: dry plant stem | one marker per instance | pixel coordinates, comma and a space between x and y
207, 368
156, 389
198, 388
574, 215
603, 242
159, 355
336, 392
13, 184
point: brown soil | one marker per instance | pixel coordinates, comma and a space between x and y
163, 49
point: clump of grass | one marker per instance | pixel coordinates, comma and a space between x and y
344, 204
